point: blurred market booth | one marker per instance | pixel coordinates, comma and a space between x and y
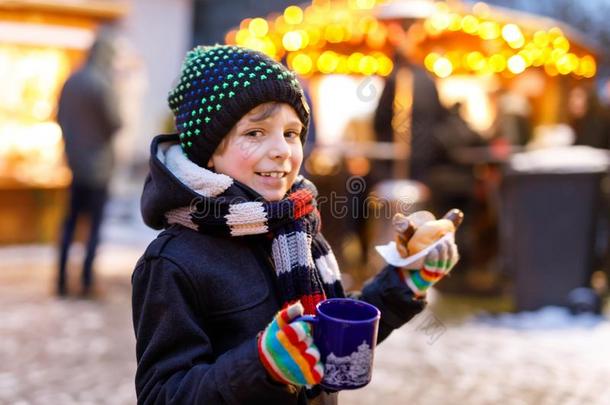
41, 43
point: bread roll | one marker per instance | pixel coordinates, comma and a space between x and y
429, 233
404, 231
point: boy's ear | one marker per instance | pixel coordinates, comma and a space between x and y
210, 164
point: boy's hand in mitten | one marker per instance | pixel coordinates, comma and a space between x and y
287, 351
437, 264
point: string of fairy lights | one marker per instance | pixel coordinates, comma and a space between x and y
344, 37
512, 49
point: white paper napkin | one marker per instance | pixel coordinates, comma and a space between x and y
390, 253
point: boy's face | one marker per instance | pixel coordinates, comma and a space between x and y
263, 150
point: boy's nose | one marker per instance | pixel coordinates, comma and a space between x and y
279, 148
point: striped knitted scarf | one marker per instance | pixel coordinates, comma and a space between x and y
305, 265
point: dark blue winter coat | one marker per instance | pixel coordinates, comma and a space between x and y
199, 302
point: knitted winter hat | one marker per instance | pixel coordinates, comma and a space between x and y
218, 85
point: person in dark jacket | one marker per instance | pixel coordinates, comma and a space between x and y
88, 117
241, 245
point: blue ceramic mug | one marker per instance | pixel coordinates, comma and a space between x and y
345, 332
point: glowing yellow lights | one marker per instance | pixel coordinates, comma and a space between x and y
497, 63
541, 39
334, 33
292, 41
588, 66
470, 24
442, 67
475, 61
513, 36
368, 65
385, 65
327, 62
489, 30
516, 64
561, 43
566, 64
430, 59
258, 27
440, 21
293, 15
511, 33
307, 35
302, 64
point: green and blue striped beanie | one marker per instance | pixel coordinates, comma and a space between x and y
218, 85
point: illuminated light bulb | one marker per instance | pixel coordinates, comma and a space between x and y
541, 39
588, 66
440, 21
497, 63
550, 69
563, 65
455, 22
334, 33
242, 36
255, 43
293, 15
327, 62
302, 64
573, 61
475, 60
230, 37
385, 65
511, 33
561, 43
556, 54
342, 67
353, 61
430, 59
258, 27
516, 64
292, 41
517, 44
243, 25
442, 67
368, 65
489, 30
470, 24
429, 28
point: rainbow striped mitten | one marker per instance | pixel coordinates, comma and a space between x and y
437, 264
287, 351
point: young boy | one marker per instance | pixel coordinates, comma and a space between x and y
241, 255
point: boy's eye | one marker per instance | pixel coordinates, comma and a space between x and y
254, 134
292, 134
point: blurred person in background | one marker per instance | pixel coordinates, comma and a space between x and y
89, 117
588, 119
